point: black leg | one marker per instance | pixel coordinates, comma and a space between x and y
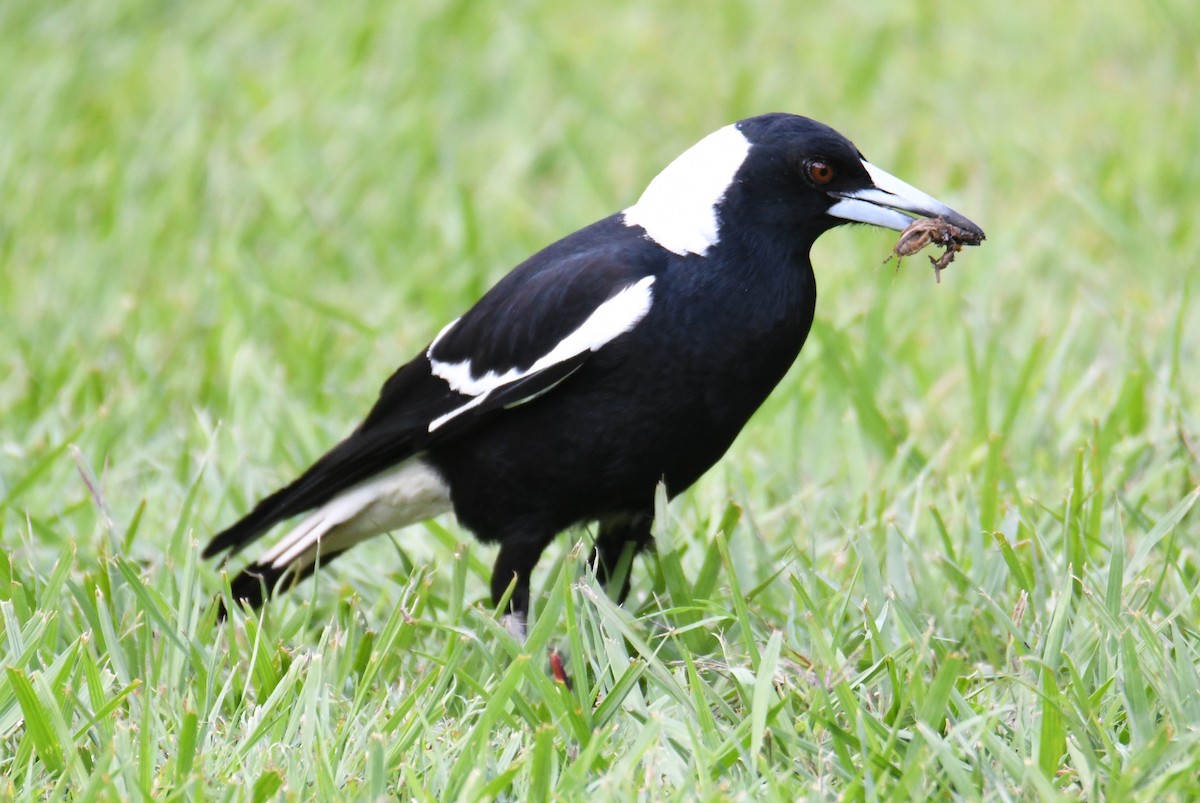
619, 542
516, 559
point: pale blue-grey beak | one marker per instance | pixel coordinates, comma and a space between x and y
885, 203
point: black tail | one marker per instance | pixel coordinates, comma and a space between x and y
357, 458
396, 429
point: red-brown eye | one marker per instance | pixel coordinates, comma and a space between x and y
821, 172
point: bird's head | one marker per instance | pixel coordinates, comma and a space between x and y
777, 172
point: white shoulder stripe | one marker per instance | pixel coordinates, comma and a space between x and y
678, 210
611, 319
457, 411
440, 335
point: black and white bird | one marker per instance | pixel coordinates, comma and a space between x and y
626, 354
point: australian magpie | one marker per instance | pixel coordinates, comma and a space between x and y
626, 354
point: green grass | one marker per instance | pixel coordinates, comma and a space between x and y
953, 556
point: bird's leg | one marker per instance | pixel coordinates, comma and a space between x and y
620, 541
516, 560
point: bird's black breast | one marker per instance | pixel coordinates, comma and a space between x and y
727, 332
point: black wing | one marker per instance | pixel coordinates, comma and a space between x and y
529, 333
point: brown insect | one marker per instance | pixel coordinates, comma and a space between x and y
938, 231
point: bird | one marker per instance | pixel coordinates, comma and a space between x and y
627, 354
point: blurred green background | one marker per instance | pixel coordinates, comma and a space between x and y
222, 225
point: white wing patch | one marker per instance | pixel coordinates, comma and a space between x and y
678, 210
611, 319
412, 491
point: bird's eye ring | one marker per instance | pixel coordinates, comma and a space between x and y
820, 172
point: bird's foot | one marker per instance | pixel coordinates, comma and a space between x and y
514, 623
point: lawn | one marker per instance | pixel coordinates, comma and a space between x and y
955, 555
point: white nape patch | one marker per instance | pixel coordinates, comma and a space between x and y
614, 317
678, 210
412, 491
